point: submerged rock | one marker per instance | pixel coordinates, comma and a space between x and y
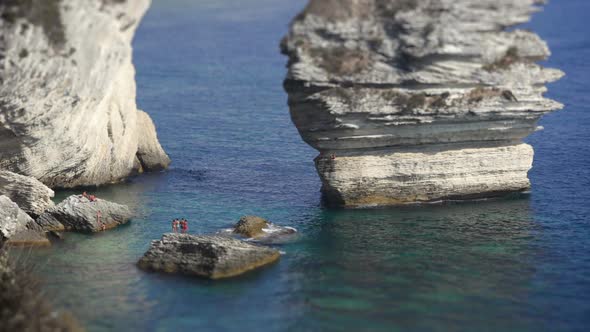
417, 101
68, 115
212, 257
29, 238
31, 195
77, 213
261, 229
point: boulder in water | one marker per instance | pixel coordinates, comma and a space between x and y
78, 213
251, 226
212, 257
261, 229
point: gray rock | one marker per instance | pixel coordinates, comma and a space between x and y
149, 152
251, 226
68, 115
17, 228
211, 257
12, 219
77, 213
32, 196
411, 101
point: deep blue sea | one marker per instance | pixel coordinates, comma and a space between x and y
210, 74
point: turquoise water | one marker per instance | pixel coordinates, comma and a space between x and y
210, 74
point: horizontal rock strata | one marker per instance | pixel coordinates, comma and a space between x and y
212, 257
67, 100
415, 101
29, 238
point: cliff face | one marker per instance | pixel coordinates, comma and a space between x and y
67, 101
412, 101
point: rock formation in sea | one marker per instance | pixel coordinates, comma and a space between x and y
262, 230
417, 101
212, 257
68, 115
78, 213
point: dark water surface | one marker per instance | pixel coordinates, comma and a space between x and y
210, 74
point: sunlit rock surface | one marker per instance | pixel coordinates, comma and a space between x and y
17, 228
67, 100
205, 256
417, 101
31, 195
78, 213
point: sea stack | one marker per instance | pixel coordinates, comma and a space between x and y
417, 101
68, 115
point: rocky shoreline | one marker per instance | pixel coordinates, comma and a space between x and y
68, 119
411, 101
68, 116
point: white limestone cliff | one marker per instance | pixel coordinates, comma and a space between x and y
417, 101
68, 115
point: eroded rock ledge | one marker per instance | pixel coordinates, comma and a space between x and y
417, 101
67, 100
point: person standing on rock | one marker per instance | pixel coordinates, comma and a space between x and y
98, 221
184, 225
175, 223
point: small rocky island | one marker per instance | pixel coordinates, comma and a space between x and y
212, 257
262, 230
417, 101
